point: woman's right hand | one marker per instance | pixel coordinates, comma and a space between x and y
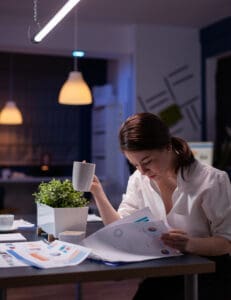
96, 186
106, 210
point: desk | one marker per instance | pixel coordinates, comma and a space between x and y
187, 265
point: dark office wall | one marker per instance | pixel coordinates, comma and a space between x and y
223, 120
64, 132
215, 40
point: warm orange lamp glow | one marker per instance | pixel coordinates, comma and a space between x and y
75, 91
10, 114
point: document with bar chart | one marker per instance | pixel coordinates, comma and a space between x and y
134, 238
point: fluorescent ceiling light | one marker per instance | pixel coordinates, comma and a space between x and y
55, 20
78, 53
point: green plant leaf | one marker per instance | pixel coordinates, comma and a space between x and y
57, 193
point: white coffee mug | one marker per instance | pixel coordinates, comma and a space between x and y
6, 221
82, 175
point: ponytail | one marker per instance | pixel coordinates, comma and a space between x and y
185, 157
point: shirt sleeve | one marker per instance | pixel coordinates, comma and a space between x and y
217, 206
130, 200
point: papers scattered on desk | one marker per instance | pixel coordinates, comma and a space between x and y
44, 255
6, 237
134, 238
7, 260
93, 218
22, 224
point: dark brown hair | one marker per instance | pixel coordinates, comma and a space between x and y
146, 131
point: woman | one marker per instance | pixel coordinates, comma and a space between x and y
195, 200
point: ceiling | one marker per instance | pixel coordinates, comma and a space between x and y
191, 13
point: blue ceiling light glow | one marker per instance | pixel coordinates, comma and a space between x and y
78, 53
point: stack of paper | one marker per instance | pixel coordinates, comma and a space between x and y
9, 237
23, 224
134, 238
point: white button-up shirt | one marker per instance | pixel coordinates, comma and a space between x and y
201, 201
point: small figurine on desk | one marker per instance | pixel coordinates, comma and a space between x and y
45, 162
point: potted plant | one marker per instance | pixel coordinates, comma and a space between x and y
60, 207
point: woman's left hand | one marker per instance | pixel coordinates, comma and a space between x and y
177, 239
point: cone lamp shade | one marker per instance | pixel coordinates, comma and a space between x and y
10, 114
75, 91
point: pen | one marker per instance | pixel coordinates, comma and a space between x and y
46, 241
105, 262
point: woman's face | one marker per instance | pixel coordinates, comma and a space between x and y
153, 163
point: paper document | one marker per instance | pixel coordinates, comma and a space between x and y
49, 255
7, 260
6, 237
134, 238
93, 218
21, 224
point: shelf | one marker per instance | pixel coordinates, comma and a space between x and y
30, 179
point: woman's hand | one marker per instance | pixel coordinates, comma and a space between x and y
106, 210
177, 239
96, 186
208, 246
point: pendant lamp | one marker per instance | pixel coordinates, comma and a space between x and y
75, 90
10, 114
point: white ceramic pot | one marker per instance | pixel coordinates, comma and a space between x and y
56, 220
